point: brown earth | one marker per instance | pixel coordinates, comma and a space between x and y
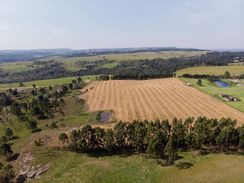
154, 99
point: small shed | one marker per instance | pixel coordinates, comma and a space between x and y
229, 98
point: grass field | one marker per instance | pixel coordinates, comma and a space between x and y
214, 90
17, 66
67, 167
213, 70
46, 82
110, 65
155, 99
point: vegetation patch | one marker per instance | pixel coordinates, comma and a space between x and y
211, 89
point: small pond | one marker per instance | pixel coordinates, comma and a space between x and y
221, 84
105, 116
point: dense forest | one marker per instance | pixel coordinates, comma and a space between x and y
141, 69
159, 139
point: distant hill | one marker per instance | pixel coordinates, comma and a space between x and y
29, 55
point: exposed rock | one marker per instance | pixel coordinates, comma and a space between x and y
32, 172
26, 170
35, 172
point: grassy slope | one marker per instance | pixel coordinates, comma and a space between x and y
67, 167
47, 82
75, 116
213, 70
213, 90
110, 65
16, 66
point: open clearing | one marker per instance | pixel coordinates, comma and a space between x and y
155, 99
46, 82
212, 70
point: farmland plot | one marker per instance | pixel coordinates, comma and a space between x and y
154, 99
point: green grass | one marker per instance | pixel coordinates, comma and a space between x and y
214, 90
110, 65
46, 82
75, 114
19, 130
213, 70
17, 66
68, 167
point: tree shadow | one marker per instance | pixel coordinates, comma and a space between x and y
14, 137
184, 165
103, 153
13, 157
36, 130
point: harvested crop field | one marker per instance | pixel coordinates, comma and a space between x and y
154, 99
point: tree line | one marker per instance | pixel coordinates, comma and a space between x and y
161, 139
133, 69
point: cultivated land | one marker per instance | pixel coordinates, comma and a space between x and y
155, 99
212, 70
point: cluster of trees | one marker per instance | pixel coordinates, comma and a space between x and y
159, 138
103, 77
198, 76
7, 173
5, 146
226, 75
137, 76
5, 99
48, 71
139, 69
37, 103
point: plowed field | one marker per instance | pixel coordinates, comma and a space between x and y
154, 99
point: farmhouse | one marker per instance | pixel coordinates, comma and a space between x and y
229, 98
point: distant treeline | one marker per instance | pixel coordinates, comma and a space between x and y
93, 52
212, 77
141, 69
29, 55
158, 138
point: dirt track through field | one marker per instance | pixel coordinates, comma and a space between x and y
155, 99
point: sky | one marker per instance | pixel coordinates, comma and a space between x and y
85, 24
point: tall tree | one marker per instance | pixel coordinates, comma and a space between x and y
9, 133
227, 75
199, 82
109, 140
63, 138
170, 151
6, 150
120, 134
